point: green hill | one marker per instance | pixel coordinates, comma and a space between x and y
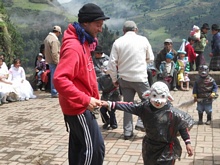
156, 19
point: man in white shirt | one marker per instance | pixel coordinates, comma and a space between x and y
127, 68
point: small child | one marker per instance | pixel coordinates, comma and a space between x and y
109, 92
40, 68
204, 90
182, 66
162, 123
190, 52
167, 68
196, 32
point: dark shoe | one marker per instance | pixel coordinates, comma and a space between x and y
208, 122
114, 126
128, 137
200, 122
209, 118
105, 126
139, 128
54, 96
39, 83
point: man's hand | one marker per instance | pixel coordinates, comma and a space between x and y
189, 150
210, 54
94, 103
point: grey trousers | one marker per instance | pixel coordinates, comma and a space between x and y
129, 90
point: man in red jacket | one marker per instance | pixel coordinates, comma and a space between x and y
75, 80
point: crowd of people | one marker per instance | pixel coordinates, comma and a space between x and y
79, 71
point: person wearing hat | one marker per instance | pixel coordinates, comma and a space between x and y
127, 68
161, 56
75, 80
52, 54
182, 66
99, 57
199, 46
167, 69
215, 53
40, 69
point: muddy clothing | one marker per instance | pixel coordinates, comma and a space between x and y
160, 143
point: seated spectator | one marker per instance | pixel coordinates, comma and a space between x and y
5, 85
182, 66
167, 69
161, 56
40, 70
18, 78
2, 98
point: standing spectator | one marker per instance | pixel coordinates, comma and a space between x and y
99, 58
182, 66
128, 63
190, 53
161, 56
215, 54
52, 55
75, 80
199, 46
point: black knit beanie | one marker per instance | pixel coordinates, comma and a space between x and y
91, 12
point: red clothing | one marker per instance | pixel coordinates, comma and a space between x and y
190, 52
75, 78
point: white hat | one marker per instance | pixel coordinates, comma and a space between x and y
57, 28
168, 40
182, 47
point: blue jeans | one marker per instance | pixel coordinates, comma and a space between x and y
52, 68
39, 75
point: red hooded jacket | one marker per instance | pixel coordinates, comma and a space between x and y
75, 78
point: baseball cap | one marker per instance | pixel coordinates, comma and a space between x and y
57, 28
168, 40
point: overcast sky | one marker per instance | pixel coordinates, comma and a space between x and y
63, 1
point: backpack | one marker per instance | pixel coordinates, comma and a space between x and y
105, 83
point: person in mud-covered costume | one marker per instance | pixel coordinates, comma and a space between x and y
162, 123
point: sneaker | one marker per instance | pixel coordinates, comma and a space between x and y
26, 98
200, 123
114, 126
43, 89
175, 89
208, 122
105, 126
139, 128
54, 96
128, 137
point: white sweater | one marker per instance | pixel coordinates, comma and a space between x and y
128, 58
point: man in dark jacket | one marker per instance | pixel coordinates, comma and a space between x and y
161, 56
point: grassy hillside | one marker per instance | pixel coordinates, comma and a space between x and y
156, 19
